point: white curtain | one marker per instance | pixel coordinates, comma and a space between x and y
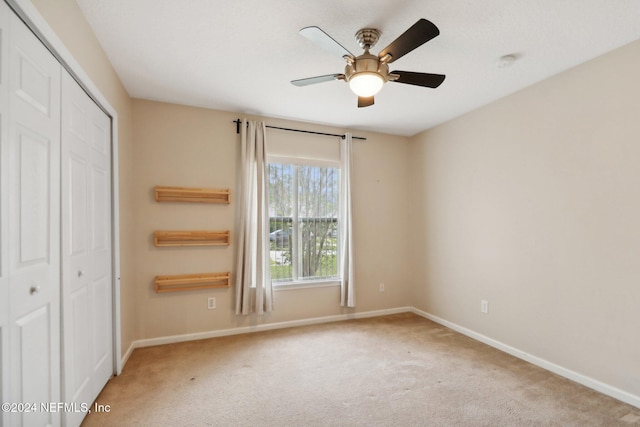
348, 286
253, 279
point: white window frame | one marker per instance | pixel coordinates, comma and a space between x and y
308, 283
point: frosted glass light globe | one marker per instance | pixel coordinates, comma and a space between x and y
366, 84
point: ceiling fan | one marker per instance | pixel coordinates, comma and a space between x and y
367, 73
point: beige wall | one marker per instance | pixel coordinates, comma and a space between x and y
194, 147
533, 203
67, 21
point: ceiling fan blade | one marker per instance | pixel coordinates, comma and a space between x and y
417, 35
419, 79
365, 101
325, 41
318, 79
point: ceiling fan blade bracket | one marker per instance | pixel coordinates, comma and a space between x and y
386, 58
349, 59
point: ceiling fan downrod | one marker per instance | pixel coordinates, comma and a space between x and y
368, 37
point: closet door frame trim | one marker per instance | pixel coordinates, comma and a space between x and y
39, 26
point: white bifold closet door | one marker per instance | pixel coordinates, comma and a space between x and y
87, 345
33, 186
56, 287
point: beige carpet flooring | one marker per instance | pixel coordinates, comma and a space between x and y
398, 370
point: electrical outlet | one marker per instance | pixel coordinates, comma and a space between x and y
211, 303
484, 306
381, 287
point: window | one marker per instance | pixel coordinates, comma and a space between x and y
303, 222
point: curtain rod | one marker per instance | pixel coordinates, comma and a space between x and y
238, 121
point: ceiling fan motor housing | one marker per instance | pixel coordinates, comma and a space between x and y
366, 63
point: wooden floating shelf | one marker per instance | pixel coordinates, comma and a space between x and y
191, 238
194, 195
191, 282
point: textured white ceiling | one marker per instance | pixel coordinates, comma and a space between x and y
241, 55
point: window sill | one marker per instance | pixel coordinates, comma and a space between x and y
286, 286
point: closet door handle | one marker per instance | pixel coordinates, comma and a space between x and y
80, 273
34, 290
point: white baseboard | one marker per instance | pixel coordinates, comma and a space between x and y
126, 356
256, 328
599, 386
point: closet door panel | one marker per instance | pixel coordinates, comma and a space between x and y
78, 339
75, 256
77, 233
33, 353
100, 245
102, 348
100, 208
34, 224
33, 84
33, 152
86, 250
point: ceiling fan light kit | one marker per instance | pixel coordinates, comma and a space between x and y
366, 83
367, 73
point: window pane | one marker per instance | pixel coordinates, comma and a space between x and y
281, 180
318, 214
303, 209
